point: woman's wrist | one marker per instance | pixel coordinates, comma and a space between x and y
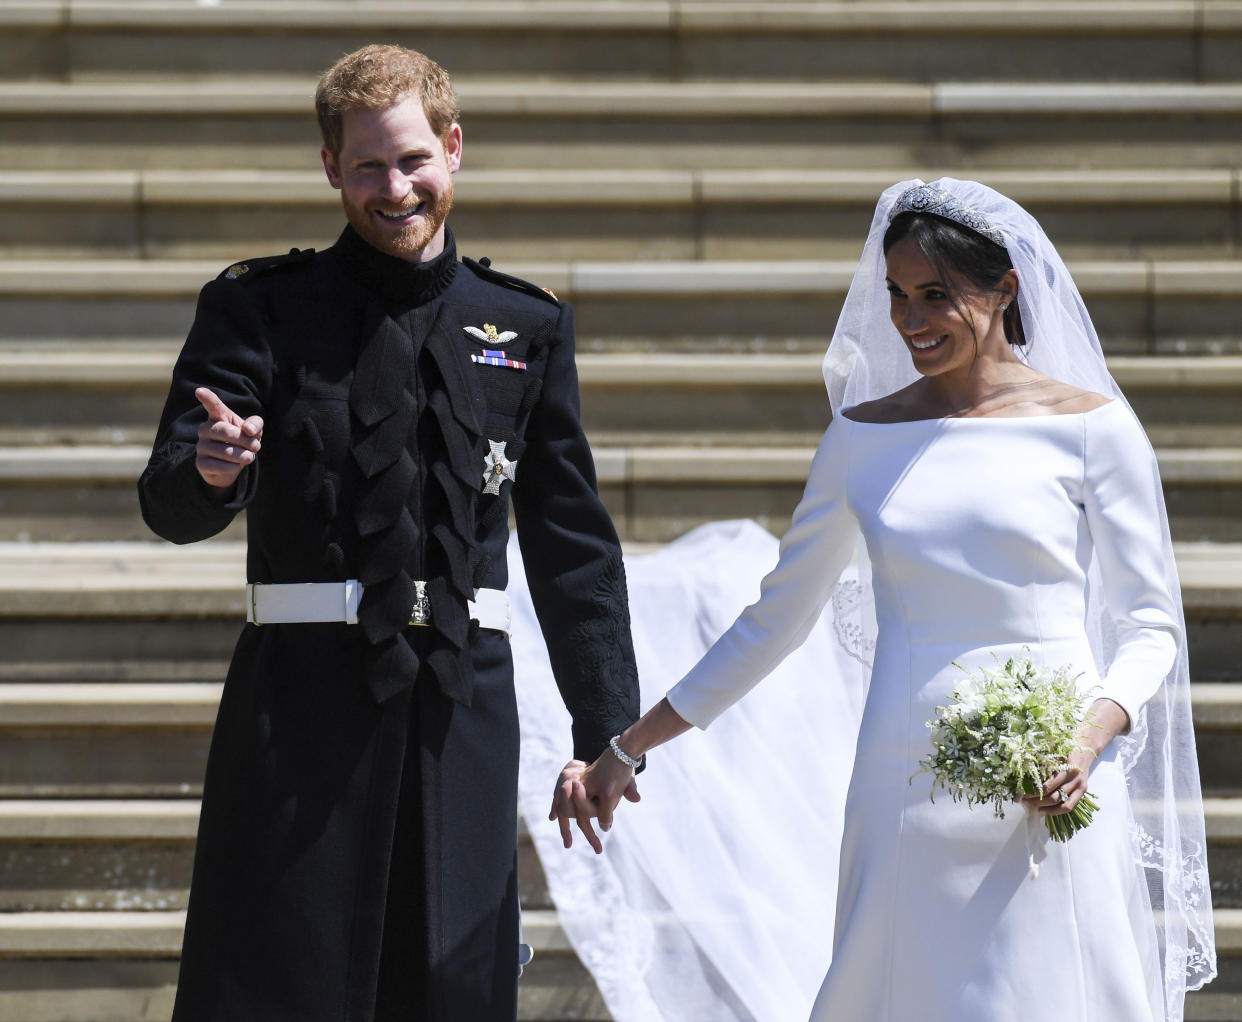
614, 745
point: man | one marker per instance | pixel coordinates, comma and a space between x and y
373, 408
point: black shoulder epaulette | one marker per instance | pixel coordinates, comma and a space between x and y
251, 268
483, 268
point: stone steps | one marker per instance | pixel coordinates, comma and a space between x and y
50, 963
1139, 306
521, 214
654, 493
88, 393
638, 39
154, 602
149, 739
120, 966
588, 123
64, 854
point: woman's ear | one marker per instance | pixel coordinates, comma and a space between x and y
1009, 285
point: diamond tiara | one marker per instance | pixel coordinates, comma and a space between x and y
938, 202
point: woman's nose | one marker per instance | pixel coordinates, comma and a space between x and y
912, 318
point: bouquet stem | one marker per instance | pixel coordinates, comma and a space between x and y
1064, 826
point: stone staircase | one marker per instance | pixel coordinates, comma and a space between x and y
696, 176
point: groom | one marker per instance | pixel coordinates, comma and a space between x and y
375, 408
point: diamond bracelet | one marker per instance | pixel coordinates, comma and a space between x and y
621, 754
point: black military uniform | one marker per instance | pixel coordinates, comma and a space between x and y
356, 855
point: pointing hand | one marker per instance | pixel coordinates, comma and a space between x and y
227, 443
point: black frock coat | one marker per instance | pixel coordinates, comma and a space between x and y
356, 853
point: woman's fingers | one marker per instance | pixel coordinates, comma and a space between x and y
1062, 792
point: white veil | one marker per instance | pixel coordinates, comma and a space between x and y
867, 360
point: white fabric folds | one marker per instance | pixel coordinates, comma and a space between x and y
713, 900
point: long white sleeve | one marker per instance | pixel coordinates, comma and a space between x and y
1121, 494
813, 552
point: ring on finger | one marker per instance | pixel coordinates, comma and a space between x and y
1062, 796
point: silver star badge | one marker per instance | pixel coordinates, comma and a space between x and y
497, 468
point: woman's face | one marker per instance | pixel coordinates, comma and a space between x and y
946, 324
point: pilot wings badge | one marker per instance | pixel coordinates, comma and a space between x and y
490, 335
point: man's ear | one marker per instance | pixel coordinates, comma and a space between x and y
452, 148
331, 168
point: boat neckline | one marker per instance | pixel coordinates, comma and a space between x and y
980, 418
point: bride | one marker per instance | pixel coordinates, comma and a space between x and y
1000, 496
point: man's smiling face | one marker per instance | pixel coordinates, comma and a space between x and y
395, 176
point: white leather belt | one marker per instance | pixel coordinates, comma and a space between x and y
310, 602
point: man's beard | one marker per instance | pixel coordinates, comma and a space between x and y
409, 242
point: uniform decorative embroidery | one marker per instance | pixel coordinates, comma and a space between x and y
490, 335
497, 468
602, 652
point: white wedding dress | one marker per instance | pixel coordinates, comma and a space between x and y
980, 532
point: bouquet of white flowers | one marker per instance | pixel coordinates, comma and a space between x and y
1006, 731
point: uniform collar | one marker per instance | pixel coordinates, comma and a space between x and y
393, 279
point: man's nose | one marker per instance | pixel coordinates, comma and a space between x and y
396, 185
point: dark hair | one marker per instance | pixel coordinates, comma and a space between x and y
957, 251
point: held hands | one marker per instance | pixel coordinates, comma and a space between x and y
583, 792
227, 443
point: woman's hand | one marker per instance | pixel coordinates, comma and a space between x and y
1063, 790
585, 792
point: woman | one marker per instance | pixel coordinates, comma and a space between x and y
1006, 499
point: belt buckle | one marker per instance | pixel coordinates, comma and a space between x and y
420, 613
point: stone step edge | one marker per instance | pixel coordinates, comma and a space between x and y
628, 188
111, 580
60, 706
671, 464
577, 98
161, 820
104, 819
98, 672
677, 16
157, 934
694, 279
101, 365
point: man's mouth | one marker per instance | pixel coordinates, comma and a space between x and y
402, 215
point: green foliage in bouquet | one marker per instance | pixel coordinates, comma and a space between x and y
1007, 730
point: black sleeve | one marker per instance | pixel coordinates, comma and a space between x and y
226, 351
573, 560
